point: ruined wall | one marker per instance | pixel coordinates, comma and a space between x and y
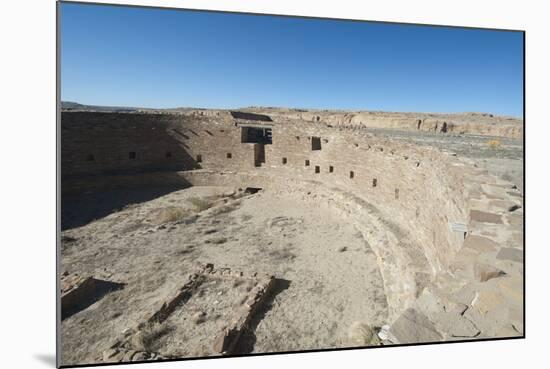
107, 143
408, 194
94, 143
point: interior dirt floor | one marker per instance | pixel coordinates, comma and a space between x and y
327, 275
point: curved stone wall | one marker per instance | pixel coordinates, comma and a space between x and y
402, 198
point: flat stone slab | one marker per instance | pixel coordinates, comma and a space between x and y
512, 254
462, 327
413, 327
480, 243
512, 288
493, 191
515, 219
515, 194
485, 217
485, 272
503, 205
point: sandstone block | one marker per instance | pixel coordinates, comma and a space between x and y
485, 272
485, 217
462, 327
508, 253
413, 327
479, 243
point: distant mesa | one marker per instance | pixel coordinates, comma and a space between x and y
69, 105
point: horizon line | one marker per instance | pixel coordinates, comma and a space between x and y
297, 108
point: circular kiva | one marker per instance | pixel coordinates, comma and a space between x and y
447, 235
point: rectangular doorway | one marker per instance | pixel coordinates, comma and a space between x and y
259, 154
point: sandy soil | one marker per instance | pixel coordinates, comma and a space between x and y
327, 275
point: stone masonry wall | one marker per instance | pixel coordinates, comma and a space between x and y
410, 190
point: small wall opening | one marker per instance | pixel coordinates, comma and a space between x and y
418, 123
317, 169
228, 155
315, 143
374, 182
90, 157
444, 127
259, 155
284, 160
199, 158
397, 193
330, 169
351, 174
307, 163
132, 155
168, 154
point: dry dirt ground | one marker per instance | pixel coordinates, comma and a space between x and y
327, 275
500, 156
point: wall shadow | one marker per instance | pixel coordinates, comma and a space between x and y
48, 359
111, 160
250, 116
99, 144
82, 298
80, 209
248, 336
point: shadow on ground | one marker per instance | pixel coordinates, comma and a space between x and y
80, 209
248, 337
81, 301
48, 359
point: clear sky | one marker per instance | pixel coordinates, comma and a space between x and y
143, 57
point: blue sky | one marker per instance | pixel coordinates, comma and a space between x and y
167, 58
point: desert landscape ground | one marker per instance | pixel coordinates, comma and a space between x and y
195, 232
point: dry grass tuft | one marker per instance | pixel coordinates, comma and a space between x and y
168, 214
199, 204
361, 334
146, 338
494, 144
